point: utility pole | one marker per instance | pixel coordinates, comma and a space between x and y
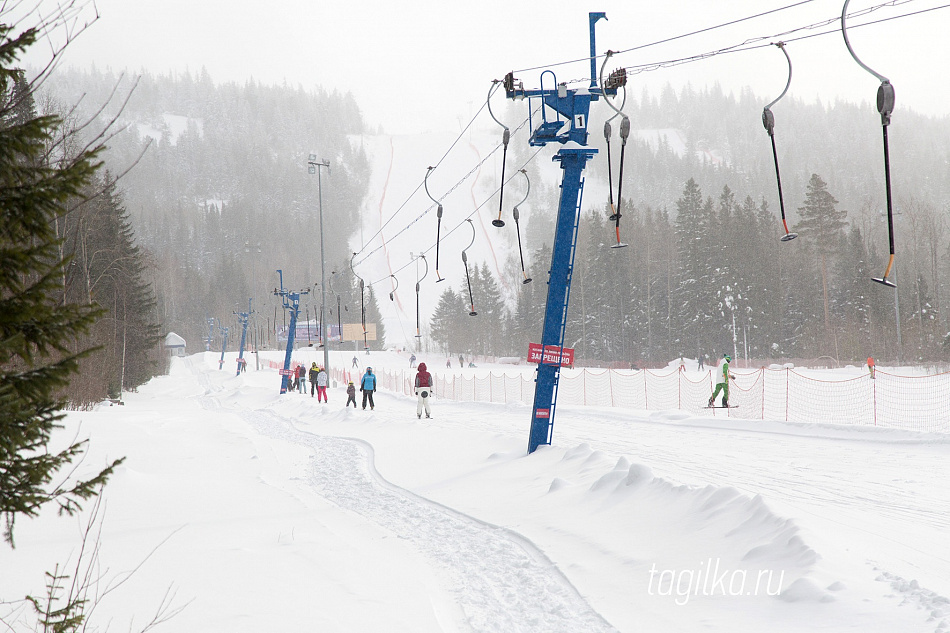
314, 166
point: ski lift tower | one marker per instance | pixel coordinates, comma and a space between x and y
566, 125
243, 317
291, 301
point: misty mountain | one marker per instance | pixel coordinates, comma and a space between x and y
221, 198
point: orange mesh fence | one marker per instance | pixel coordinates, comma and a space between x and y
919, 403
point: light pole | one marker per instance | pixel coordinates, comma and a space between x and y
313, 166
254, 252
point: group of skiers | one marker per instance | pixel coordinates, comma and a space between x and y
319, 380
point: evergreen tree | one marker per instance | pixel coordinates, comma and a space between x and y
113, 270
820, 227
491, 311
446, 323
39, 331
851, 296
373, 315
696, 289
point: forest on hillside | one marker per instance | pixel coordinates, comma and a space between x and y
220, 199
215, 179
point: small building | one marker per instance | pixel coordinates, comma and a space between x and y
174, 344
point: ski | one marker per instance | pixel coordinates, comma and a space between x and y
731, 406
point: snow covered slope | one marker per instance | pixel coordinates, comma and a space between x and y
271, 512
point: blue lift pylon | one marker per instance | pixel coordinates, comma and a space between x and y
243, 316
224, 344
291, 301
568, 126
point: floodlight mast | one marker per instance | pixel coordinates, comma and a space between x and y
573, 104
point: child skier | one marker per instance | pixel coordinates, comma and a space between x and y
351, 394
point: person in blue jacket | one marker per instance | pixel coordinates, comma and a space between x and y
368, 386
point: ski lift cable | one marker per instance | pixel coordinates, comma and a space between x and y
414, 191
754, 43
670, 39
885, 106
455, 228
458, 184
768, 120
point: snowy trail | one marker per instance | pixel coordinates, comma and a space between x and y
502, 582
846, 511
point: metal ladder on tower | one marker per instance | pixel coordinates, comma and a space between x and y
567, 300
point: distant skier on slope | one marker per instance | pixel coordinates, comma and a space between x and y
423, 390
724, 385
350, 394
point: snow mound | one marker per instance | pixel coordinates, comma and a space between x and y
804, 590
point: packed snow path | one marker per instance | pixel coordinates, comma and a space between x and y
501, 580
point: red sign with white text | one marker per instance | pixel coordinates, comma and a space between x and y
550, 354
543, 413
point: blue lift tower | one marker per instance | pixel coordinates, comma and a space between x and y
291, 301
567, 125
243, 316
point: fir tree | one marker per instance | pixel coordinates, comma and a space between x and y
697, 288
820, 227
491, 310
373, 315
39, 331
446, 324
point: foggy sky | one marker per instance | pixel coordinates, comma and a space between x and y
428, 65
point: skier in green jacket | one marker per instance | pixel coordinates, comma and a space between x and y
724, 385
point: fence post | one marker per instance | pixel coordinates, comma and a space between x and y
610, 385
646, 392
786, 393
874, 393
